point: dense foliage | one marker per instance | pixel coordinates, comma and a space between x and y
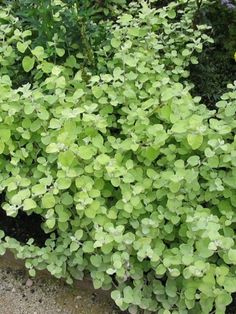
216, 67
135, 178
70, 26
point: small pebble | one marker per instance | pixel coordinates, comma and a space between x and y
29, 283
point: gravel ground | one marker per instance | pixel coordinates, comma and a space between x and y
45, 295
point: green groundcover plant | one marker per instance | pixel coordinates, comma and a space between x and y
134, 178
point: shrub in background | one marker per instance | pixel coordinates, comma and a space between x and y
134, 177
217, 66
65, 27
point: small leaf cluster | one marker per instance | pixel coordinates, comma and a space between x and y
134, 178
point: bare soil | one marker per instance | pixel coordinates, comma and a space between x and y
45, 295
